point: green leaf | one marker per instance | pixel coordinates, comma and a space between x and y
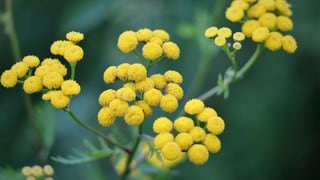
10, 174
93, 153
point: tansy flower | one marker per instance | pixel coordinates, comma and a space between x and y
127, 41
173, 76
183, 124
238, 36
9, 78
212, 143
198, 134
159, 81
220, 41
32, 84
75, 37
70, 87
106, 97
137, 72
171, 50
171, 151
169, 103
110, 74
119, 107
194, 106
234, 13
59, 100
161, 125
211, 32
42, 70
198, 154
59, 47
283, 7
52, 80
126, 94
156, 40
224, 32
256, 10
215, 125
122, 71
184, 140
236, 45
152, 97
240, 3
31, 60
73, 53
260, 34
270, 5
144, 85
175, 90
249, 26
134, 116
151, 51
268, 20
161, 139
55, 66
48, 170
144, 34
289, 44
26, 171
207, 113
106, 117
161, 34
274, 41
159, 161
37, 170
284, 23
21, 68
130, 85
146, 108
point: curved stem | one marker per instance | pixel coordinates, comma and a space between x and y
96, 132
73, 70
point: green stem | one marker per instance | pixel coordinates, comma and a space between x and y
96, 132
73, 70
238, 75
232, 59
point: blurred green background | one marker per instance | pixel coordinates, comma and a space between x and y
272, 115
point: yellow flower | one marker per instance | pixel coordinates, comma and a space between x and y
240, 3
59, 100
234, 13
173, 77
9, 78
184, 140
144, 85
283, 7
174, 89
183, 124
159, 81
52, 80
70, 87
106, 97
106, 117
274, 41
194, 106
127, 41
249, 26
198, 154
21, 68
32, 84
26, 171
211, 32
198, 134
152, 51
159, 161
48, 170
55, 66
134, 116
37, 170
73, 53
161, 125
59, 47
224, 32
171, 151
144, 34
260, 34
122, 71
289, 44
126, 94
268, 20
171, 50
156, 40
110, 74
42, 70
75, 37
161, 34
146, 108
238, 36
119, 107
130, 85
137, 72
256, 10
220, 41
212, 143
31, 61
284, 23
169, 103
270, 5
215, 125
152, 97
236, 45
207, 113
161, 139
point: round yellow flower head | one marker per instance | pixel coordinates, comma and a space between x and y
48, 170
70, 87
289, 44
224, 32
207, 113
240, 3
144, 34
161, 162
126, 94
198, 154
106, 97
169, 103
171, 50
21, 68
74, 37
130, 85
73, 53
268, 20
234, 13
156, 39
237, 45
175, 90
32, 84
159, 81
106, 117
31, 60
134, 116
238, 36
211, 32
184, 140
9, 78
42, 70
152, 51
198, 134
26, 171
110, 74
194, 106
146, 108
256, 10
249, 26
161, 125
171, 151
47, 96
161, 139
59, 100
260, 34
137, 72
215, 125
173, 77
127, 41
183, 124
152, 97
274, 41
270, 5
283, 7
284, 23
52, 80
119, 107
220, 41
144, 85
212, 143
122, 71
161, 34
59, 47
37, 170
55, 66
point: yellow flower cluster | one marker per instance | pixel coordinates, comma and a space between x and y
47, 76
37, 172
264, 21
156, 44
196, 136
139, 93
